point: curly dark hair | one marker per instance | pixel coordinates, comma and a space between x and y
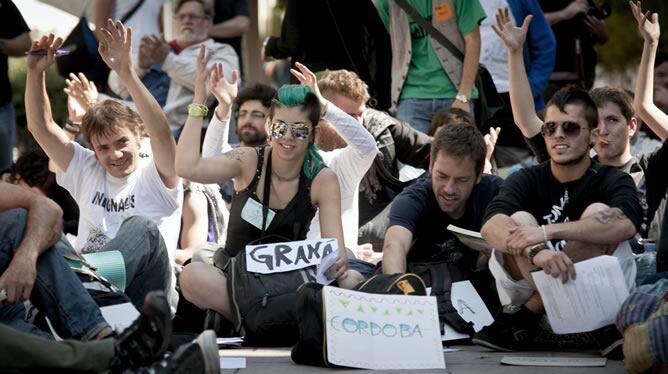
32, 167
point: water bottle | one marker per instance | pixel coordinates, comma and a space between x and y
646, 262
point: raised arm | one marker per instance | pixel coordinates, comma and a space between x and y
470, 67
521, 98
115, 50
355, 135
41, 125
43, 229
189, 163
16, 46
643, 102
216, 137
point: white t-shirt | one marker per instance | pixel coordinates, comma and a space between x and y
106, 201
145, 21
493, 54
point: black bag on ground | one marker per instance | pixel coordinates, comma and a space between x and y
311, 348
439, 276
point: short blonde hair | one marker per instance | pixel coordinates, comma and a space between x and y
344, 82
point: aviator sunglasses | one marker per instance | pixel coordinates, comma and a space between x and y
299, 130
569, 128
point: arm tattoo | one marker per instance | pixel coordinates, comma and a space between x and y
609, 215
234, 154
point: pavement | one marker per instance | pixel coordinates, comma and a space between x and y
471, 359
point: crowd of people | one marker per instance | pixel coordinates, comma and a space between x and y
382, 141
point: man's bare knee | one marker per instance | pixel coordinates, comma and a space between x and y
593, 209
523, 218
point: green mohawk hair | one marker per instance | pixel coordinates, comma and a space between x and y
292, 95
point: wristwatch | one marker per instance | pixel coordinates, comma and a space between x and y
462, 98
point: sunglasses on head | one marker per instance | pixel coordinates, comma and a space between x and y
569, 128
299, 131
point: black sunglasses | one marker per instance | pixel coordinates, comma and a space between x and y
569, 128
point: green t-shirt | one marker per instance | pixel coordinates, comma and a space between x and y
426, 78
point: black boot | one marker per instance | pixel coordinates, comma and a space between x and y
199, 356
146, 340
513, 329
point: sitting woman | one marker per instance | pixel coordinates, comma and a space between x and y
298, 184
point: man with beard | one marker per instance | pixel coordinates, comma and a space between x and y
192, 22
554, 214
454, 192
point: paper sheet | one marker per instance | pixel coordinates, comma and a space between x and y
232, 362
371, 331
119, 316
470, 307
553, 361
587, 303
326, 263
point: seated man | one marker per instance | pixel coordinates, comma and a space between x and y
549, 216
126, 202
192, 22
455, 192
32, 268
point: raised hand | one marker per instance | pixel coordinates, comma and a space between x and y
224, 91
116, 46
307, 78
201, 76
490, 141
81, 90
512, 36
648, 24
49, 43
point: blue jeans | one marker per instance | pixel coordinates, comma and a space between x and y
57, 292
419, 112
7, 135
147, 265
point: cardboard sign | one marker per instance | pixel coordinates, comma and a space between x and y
288, 256
470, 307
372, 331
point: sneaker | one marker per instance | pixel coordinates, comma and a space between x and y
146, 340
610, 341
513, 329
199, 356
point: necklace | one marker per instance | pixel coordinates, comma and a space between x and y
284, 179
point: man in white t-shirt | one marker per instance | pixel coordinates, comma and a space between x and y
125, 201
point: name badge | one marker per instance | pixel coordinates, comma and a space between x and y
252, 213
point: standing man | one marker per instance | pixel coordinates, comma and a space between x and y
552, 215
425, 75
14, 42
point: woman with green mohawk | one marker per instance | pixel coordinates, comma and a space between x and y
278, 187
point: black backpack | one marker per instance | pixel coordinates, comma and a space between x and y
263, 305
311, 348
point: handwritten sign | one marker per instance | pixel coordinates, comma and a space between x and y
288, 256
372, 331
470, 307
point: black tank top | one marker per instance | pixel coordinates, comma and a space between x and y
291, 223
